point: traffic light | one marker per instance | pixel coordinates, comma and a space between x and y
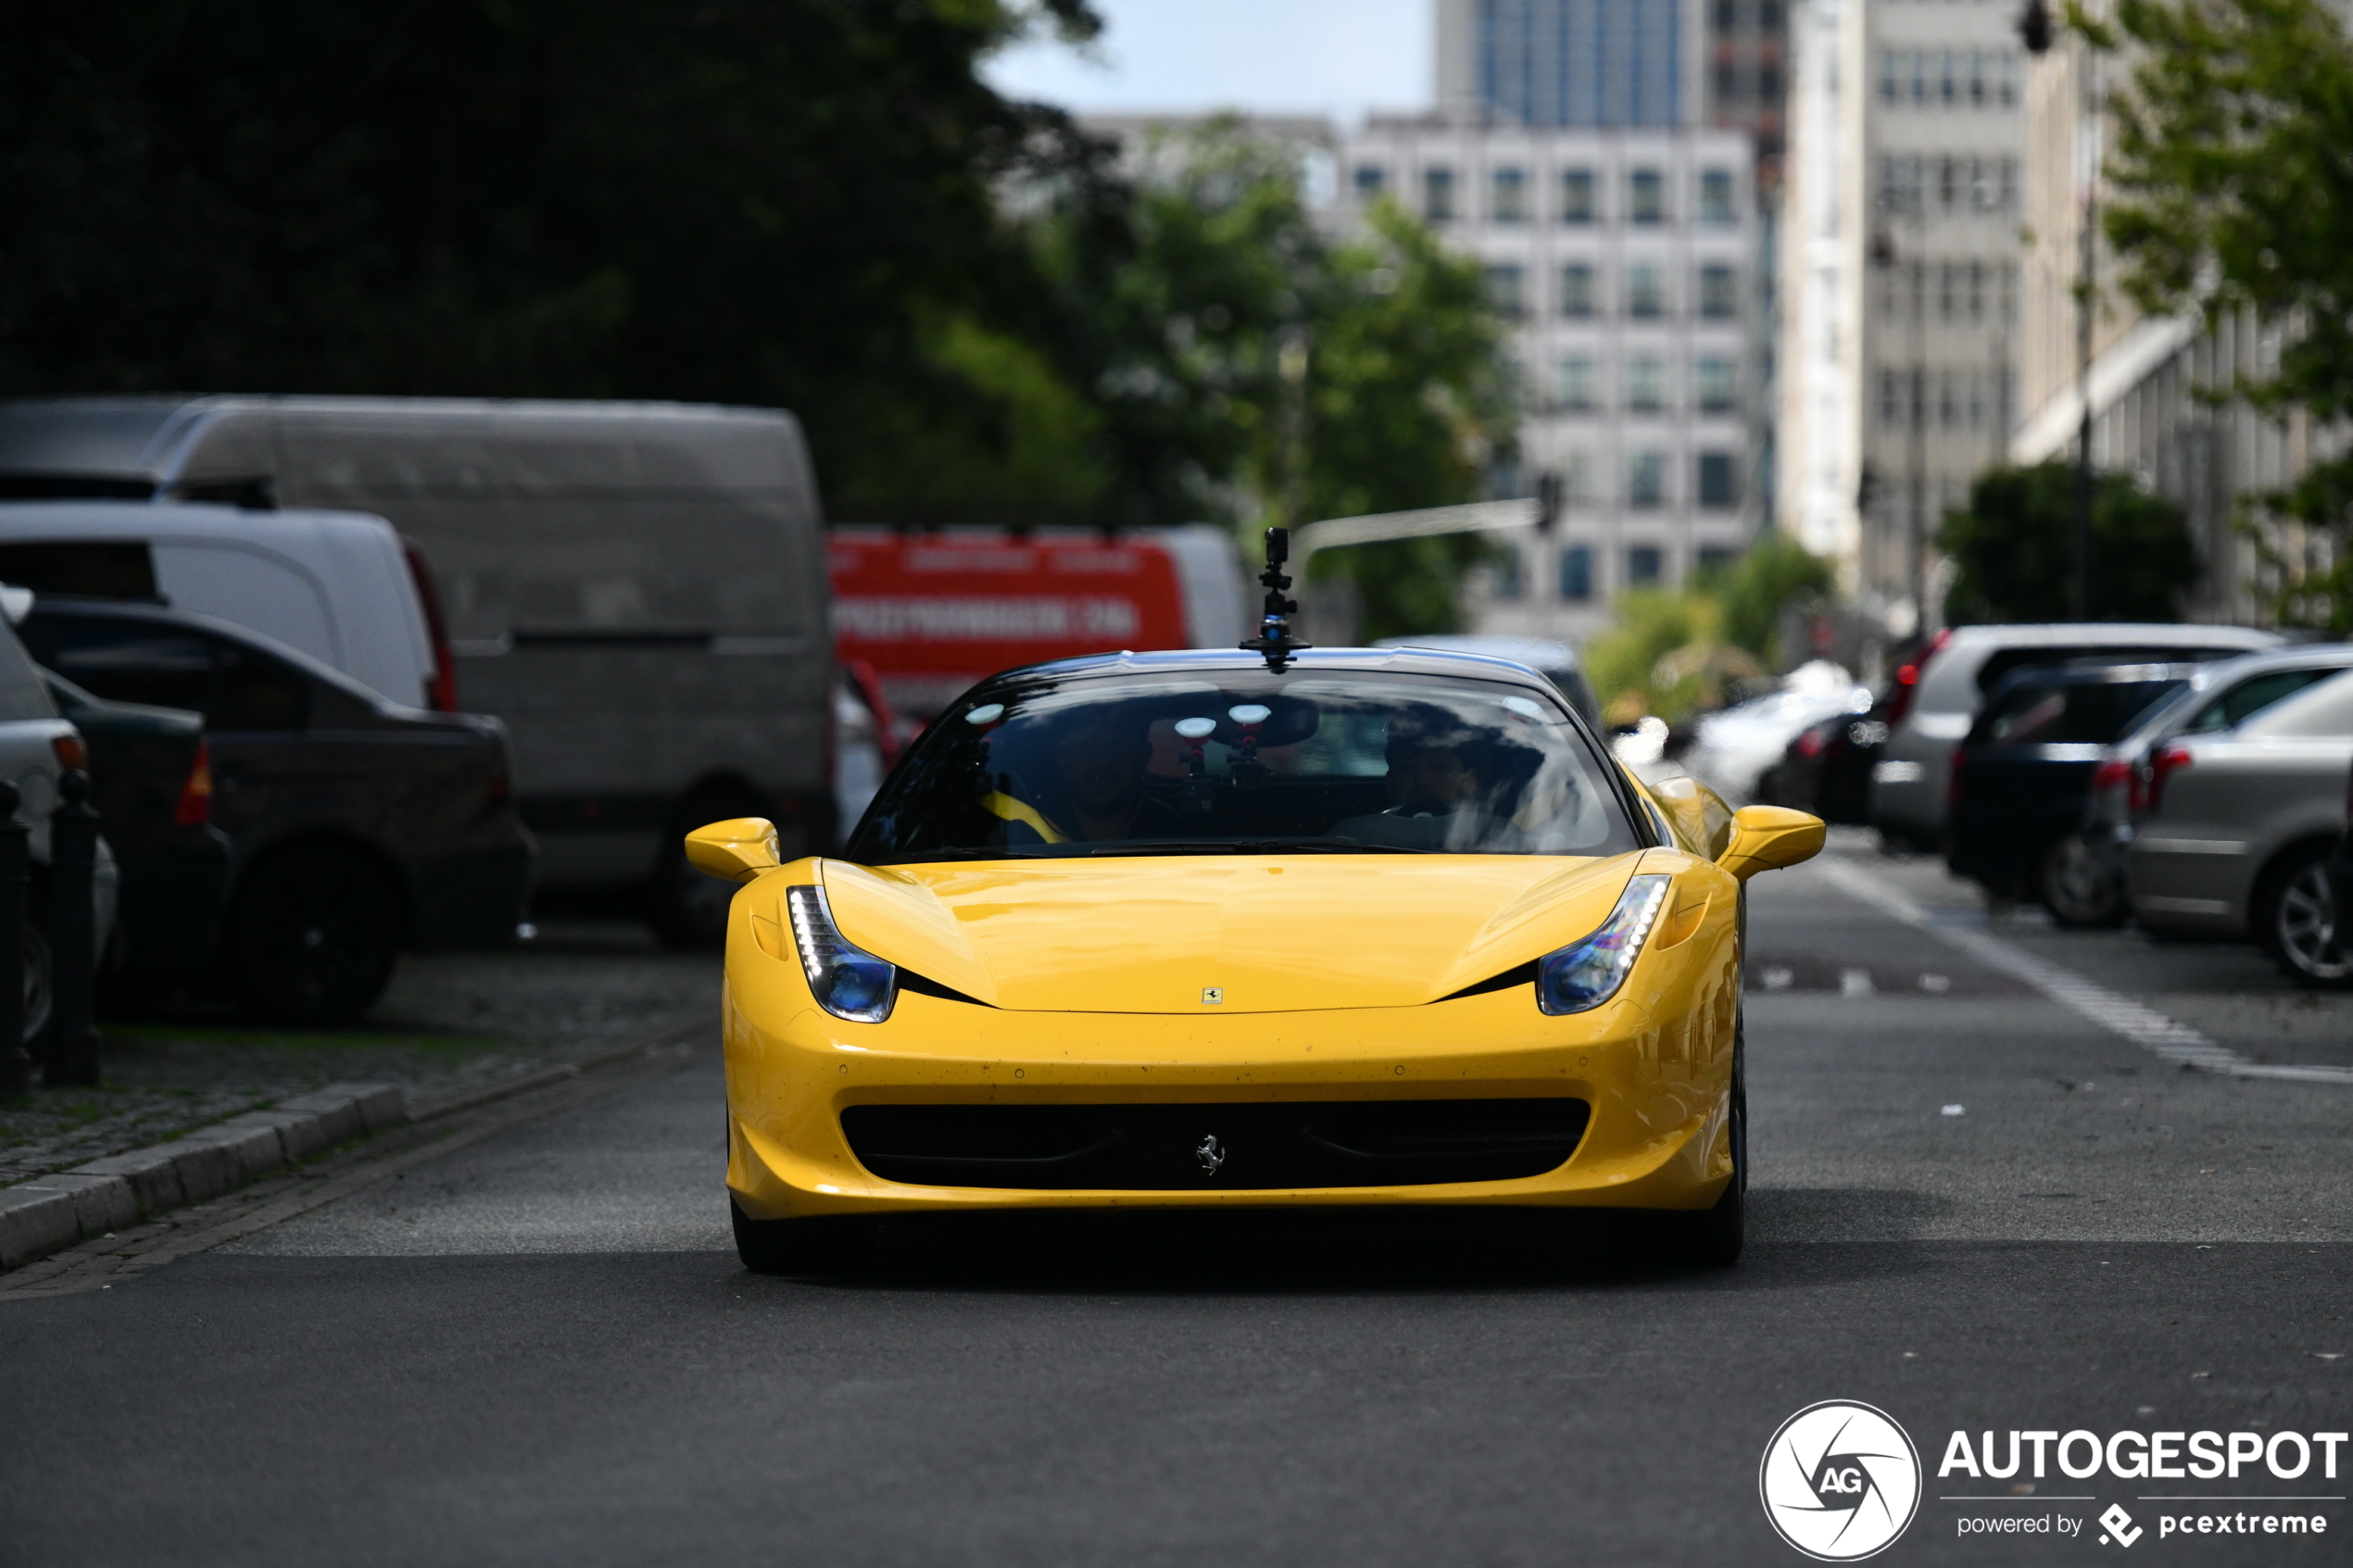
2034, 27
1548, 501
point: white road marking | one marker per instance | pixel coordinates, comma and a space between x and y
2151, 1029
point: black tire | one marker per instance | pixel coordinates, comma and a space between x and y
685, 908
2078, 887
1713, 1238
801, 1247
2294, 914
313, 934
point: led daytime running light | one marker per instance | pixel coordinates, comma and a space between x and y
1588, 972
848, 981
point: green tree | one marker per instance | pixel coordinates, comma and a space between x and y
786, 202
1249, 368
2013, 549
2231, 191
1762, 582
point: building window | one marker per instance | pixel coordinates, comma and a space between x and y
1715, 197
1579, 386
1371, 179
1948, 284
1716, 559
1715, 379
1645, 386
1646, 290
1438, 194
1646, 196
1769, 16
1577, 196
1719, 297
1507, 292
1646, 565
1890, 75
1576, 289
2006, 73
1576, 573
1727, 15
1720, 484
1768, 82
1976, 293
1510, 200
1728, 82
1890, 398
1646, 480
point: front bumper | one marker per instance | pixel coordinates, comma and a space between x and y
1655, 1065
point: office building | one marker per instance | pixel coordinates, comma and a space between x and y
1623, 262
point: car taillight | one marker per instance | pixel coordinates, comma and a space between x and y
2167, 761
1809, 744
194, 808
2108, 775
441, 692
1907, 678
71, 753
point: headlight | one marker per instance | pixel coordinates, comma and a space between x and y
1588, 972
848, 981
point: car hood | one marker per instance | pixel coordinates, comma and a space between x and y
1273, 933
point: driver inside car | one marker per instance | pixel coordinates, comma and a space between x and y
1102, 760
1436, 799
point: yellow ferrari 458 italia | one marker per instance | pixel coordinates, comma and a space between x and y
1340, 927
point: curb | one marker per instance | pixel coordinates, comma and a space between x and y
53, 1211
50, 1213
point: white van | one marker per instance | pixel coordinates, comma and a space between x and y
338, 585
638, 589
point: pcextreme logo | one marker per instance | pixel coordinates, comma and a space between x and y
1840, 1481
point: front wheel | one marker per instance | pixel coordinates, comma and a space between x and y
800, 1247
2080, 885
1713, 1238
2295, 918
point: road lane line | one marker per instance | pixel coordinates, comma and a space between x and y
2152, 1031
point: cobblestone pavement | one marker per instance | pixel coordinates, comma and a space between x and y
451, 1023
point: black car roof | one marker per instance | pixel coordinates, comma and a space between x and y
160, 614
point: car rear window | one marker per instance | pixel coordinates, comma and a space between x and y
1245, 761
2002, 661
2071, 713
2251, 696
129, 659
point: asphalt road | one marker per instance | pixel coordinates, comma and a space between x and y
538, 1347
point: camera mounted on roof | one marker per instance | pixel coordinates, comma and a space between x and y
1275, 639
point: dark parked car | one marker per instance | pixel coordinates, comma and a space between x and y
358, 827
1827, 769
151, 780
2022, 778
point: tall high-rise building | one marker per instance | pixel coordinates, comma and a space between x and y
1899, 328
1598, 64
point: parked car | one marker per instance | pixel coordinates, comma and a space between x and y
1731, 750
1827, 769
2021, 778
37, 746
151, 780
341, 587
2238, 826
1936, 697
2221, 696
638, 589
2341, 877
358, 826
1556, 661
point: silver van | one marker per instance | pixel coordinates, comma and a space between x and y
1936, 698
638, 589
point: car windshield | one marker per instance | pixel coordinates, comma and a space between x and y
1241, 762
2073, 713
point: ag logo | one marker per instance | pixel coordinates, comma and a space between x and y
1840, 1481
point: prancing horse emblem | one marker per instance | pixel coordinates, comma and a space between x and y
1210, 1153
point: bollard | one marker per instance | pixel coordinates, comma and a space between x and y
15, 1064
73, 957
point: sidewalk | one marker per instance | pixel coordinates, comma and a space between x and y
452, 1025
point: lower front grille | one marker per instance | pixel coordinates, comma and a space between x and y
1204, 1146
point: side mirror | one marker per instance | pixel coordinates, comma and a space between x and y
1766, 838
735, 850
